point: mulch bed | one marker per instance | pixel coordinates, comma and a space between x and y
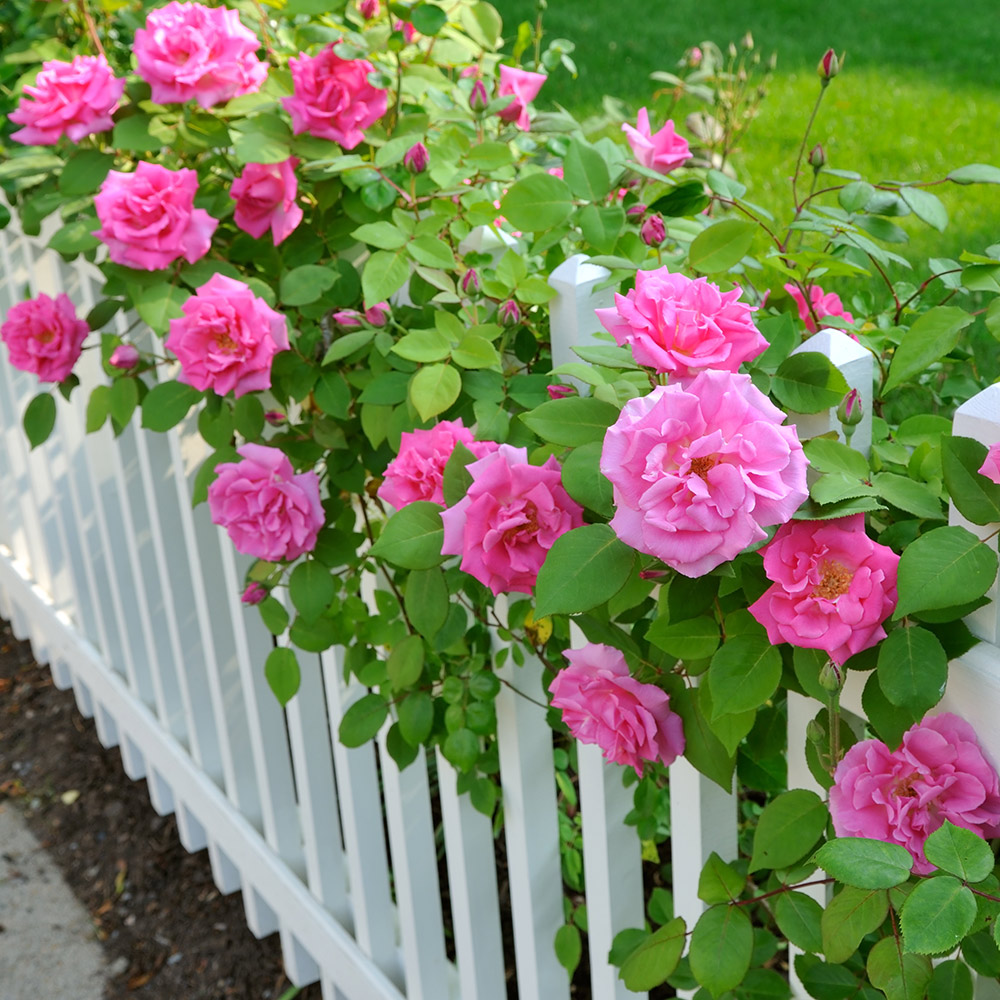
168, 932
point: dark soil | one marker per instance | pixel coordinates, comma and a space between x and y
168, 932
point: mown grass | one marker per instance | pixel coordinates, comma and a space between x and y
919, 94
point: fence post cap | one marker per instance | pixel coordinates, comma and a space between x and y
985, 405
576, 271
838, 346
487, 239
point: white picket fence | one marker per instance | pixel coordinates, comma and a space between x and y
132, 597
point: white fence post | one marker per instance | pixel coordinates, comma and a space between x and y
571, 313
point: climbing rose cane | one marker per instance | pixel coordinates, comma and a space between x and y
43, 336
602, 703
833, 587
508, 520
901, 797
268, 510
700, 470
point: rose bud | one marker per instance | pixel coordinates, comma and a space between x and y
694, 57
254, 593
348, 319
378, 314
817, 157
470, 282
368, 9
653, 231
560, 391
478, 99
275, 417
828, 67
636, 211
416, 158
124, 356
509, 313
849, 412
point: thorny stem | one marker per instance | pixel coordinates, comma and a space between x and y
784, 888
889, 285
264, 33
802, 149
835, 723
92, 28
920, 290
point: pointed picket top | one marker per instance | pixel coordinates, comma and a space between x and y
571, 312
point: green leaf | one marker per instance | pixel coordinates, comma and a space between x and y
686, 199
248, 415
537, 202
167, 404
475, 352
432, 252
937, 915
945, 567
206, 474
798, 917
864, 863
653, 961
959, 852
693, 639
601, 225
824, 981
703, 749
348, 344
898, 976
932, 336
744, 673
569, 947
85, 171
976, 497
787, 828
416, 717
951, 980
808, 383
721, 948
39, 418
412, 537
976, 173
97, 407
848, 917
721, 246
826, 455
363, 720
584, 481
926, 207
311, 588
573, 421
75, 237
912, 669
434, 388
908, 494
426, 601
282, 672
123, 400
585, 567
383, 235
140, 134
854, 196
263, 138
461, 749
385, 274
586, 172
273, 615
719, 882
158, 304
306, 284
406, 662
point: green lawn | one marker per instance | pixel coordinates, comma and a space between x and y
919, 95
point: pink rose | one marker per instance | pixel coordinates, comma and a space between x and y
254, 593
265, 199
332, 98
991, 464
700, 470
226, 338
417, 472
75, 99
901, 797
191, 52
148, 218
833, 587
509, 519
268, 510
682, 326
524, 87
663, 151
601, 703
44, 336
823, 304
124, 356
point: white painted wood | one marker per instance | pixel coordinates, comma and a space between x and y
571, 312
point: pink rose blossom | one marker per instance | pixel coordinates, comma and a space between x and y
188, 51
368, 9
226, 338
509, 519
901, 797
601, 703
43, 336
832, 589
332, 98
124, 356
148, 218
73, 99
268, 510
662, 151
265, 199
682, 326
524, 87
417, 472
991, 464
823, 304
700, 470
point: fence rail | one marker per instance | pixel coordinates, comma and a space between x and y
132, 596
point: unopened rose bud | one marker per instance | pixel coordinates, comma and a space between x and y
817, 157
830, 677
407, 29
653, 231
378, 315
850, 411
747, 42
470, 282
368, 9
124, 356
254, 593
509, 313
348, 319
828, 67
275, 417
416, 158
695, 57
560, 391
636, 211
815, 733
732, 51
478, 99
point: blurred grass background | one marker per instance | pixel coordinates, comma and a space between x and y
919, 94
